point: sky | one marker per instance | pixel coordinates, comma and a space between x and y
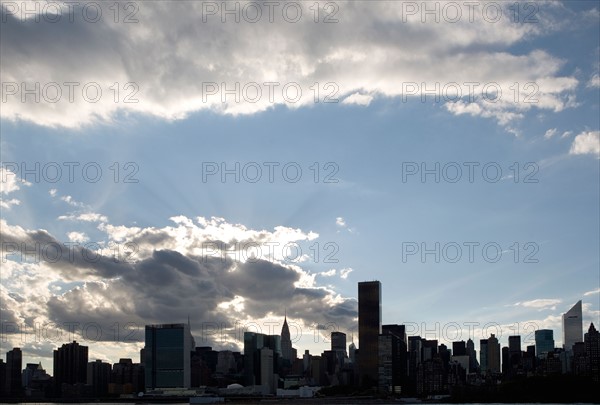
229, 163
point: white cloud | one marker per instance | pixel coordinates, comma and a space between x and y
540, 304
328, 273
339, 221
586, 143
596, 291
53, 192
79, 237
594, 81
373, 47
9, 183
85, 217
8, 204
358, 99
566, 134
69, 200
550, 133
344, 273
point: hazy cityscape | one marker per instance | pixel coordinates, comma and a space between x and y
387, 363
294, 201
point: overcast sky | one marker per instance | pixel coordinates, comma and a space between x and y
228, 162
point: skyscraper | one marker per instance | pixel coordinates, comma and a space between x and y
572, 326
472, 353
98, 376
70, 365
168, 355
514, 350
592, 351
14, 364
369, 328
254, 369
544, 342
483, 355
459, 348
493, 354
392, 358
286, 342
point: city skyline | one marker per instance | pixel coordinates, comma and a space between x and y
477, 335
170, 161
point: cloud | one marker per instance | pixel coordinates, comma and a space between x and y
594, 81
540, 304
586, 143
106, 287
339, 221
344, 273
9, 183
8, 204
78, 237
358, 99
550, 133
374, 50
69, 200
596, 291
566, 134
85, 217
328, 273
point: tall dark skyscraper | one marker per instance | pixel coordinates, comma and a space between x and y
393, 359
544, 342
168, 356
493, 355
286, 342
459, 348
14, 365
369, 328
70, 365
483, 355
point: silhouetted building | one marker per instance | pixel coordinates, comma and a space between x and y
392, 359
514, 353
459, 348
369, 329
127, 377
544, 342
430, 376
98, 376
483, 355
70, 366
203, 366
168, 356
472, 353
255, 371
415, 347
14, 364
338, 346
286, 342
592, 351
36, 382
493, 355
572, 326
400, 364
505, 361
2, 378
